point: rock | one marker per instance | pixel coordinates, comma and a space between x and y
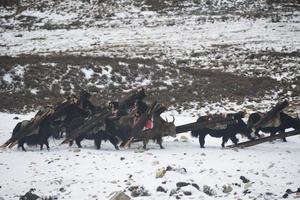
247, 186
285, 196
119, 196
156, 162
139, 191
244, 179
76, 150
161, 189
139, 151
177, 197
169, 168
196, 186
16, 118
160, 173
289, 191
62, 189
246, 192
30, 196
182, 184
172, 192
265, 175
209, 191
187, 193
184, 139
122, 158
227, 188
131, 188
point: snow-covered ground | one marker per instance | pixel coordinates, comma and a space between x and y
94, 174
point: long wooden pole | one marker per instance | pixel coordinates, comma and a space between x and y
265, 139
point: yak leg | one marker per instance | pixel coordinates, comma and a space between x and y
283, 139
159, 141
145, 142
202, 140
234, 139
41, 146
98, 141
256, 133
78, 140
47, 145
114, 141
22, 146
70, 143
224, 140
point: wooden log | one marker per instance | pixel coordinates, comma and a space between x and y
265, 139
198, 125
87, 126
279, 107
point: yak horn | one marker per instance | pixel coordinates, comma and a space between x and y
173, 119
166, 120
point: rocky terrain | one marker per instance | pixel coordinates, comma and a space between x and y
187, 53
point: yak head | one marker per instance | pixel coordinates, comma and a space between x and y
168, 128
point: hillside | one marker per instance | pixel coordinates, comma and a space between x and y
188, 53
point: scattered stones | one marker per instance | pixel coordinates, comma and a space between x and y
244, 179
208, 190
227, 188
161, 189
119, 196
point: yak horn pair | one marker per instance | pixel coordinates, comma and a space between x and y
172, 121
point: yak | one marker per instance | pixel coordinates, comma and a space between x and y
279, 123
74, 117
160, 128
39, 136
227, 132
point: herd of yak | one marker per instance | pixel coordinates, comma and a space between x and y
132, 120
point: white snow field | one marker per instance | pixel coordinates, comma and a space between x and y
69, 173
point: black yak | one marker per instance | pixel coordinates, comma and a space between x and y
39, 136
226, 132
278, 123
